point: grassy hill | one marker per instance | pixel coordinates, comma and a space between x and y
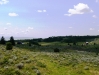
22, 61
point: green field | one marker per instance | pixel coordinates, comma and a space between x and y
35, 60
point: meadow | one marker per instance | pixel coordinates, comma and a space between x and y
42, 60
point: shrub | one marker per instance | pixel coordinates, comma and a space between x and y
35, 43
56, 50
74, 43
20, 65
41, 65
86, 68
38, 72
9, 46
29, 44
9, 71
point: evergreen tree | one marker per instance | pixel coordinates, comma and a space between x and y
2, 41
12, 40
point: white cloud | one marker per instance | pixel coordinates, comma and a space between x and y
30, 28
80, 8
97, 0
5, 29
70, 27
41, 11
3, 2
8, 23
13, 14
44, 11
94, 16
91, 29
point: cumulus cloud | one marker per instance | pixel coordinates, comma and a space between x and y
30, 28
44, 11
94, 16
91, 29
70, 27
13, 14
97, 0
3, 2
8, 23
5, 28
80, 8
41, 11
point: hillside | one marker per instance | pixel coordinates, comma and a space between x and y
25, 62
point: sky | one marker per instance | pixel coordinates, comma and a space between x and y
45, 18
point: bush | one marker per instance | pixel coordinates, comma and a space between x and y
41, 65
9, 46
20, 65
29, 44
38, 72
56, 50
35, 43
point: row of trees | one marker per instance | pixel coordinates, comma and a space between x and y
3, 41
67, 39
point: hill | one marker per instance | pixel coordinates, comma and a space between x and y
21, 61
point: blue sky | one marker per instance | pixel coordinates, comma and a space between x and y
45, 18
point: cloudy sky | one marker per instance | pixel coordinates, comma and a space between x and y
44, 18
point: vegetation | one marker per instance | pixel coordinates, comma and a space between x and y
9, 46
12, 40
2, 41
50, 58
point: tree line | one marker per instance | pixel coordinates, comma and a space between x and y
67, 39
3, 41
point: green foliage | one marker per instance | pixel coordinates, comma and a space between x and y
9, 71
29, 44
72, 60
12, 40
96, 49
34, 43
2, 41
20, 65
9, 46
56, 50
40, 64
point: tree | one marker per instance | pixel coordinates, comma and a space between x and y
2, 41
12, 40
9, 46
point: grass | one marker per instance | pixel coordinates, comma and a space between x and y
36, 62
